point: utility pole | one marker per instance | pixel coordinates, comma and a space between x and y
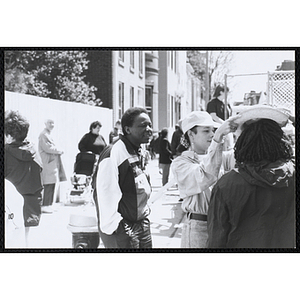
206, 79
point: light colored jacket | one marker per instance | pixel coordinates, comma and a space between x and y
53, 170
122, 186
196, 175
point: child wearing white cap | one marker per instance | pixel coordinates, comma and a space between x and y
197, 170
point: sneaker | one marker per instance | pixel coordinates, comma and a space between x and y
47, 209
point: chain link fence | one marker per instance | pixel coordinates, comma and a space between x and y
281, 89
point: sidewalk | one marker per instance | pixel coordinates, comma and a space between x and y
166, 215
166, 221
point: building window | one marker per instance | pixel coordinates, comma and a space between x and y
131, 60
121, 56
177, 111
149, 100
149, 96
132, 96
141, 64
121, 99
175, 66
141, 96
172, 60
172, 112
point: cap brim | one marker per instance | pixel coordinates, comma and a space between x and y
262, 112
210, 124
213, 124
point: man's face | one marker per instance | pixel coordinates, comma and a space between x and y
50, 125
141, 130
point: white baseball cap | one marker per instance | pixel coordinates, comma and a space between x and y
197, 118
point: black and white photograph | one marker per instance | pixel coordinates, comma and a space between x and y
149, 150
184, 149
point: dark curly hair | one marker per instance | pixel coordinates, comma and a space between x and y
15, 125
262, 140
185, 142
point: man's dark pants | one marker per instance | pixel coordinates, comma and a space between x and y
129, 235
48, 194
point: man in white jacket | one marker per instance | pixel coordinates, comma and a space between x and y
122, 186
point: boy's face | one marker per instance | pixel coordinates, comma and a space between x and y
202, 139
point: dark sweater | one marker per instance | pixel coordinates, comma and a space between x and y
165, 153
92, 142
23, 167
217, 106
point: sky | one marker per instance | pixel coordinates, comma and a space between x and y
252, 62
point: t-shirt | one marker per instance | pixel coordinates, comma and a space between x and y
217, 106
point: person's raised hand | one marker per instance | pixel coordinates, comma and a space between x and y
228, 126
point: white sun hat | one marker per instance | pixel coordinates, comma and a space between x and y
257, 112
197, 118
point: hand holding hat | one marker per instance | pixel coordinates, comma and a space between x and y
230, 125
203, 118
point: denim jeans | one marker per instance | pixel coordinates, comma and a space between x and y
194, 234
129, 235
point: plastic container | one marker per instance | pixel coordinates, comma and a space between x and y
84, 229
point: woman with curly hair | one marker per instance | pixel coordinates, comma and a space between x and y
253, 206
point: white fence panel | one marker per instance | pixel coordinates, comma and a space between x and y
71, 121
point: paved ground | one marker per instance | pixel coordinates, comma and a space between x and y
166, 221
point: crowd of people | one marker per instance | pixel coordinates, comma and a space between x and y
236, 193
